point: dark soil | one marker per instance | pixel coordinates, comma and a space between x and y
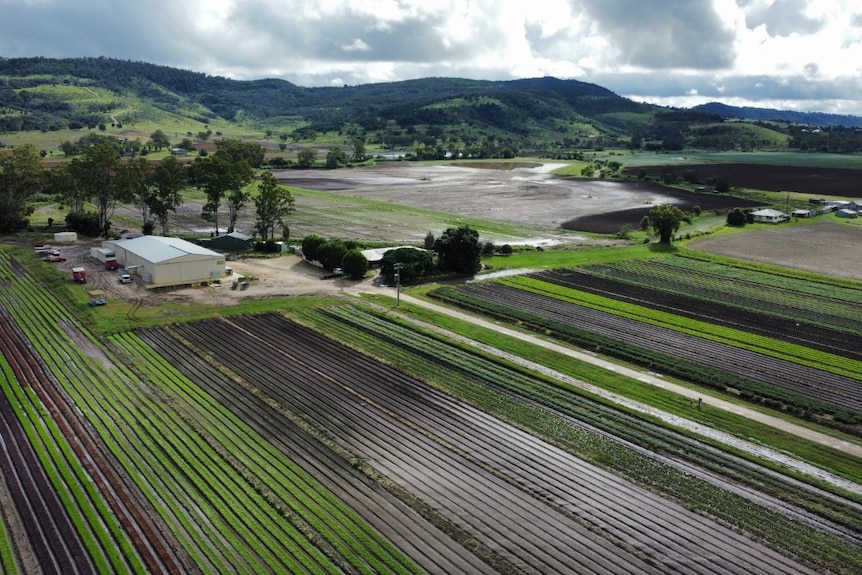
773, 178
613, 221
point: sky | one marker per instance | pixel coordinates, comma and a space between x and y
803, 55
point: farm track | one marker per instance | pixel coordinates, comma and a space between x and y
552, 512
806, 381
751, 316
429, 548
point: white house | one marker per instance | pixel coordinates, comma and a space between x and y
768, 215
162, 261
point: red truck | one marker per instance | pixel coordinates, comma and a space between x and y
79, 275
112, 264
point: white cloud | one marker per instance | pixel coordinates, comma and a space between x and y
806, 54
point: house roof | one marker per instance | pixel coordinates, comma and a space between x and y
161, 249
376, 255
768, 212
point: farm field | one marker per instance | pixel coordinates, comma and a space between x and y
257, 444
779, 341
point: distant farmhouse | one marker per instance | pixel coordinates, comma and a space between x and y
768, 215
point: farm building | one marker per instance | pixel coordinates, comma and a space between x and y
375, 257
769, 215
65, 237
232, 242
845, 213
102, 254
802, 213
162, 262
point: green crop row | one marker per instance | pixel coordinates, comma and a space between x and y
723, 381
108, 544
493, 385
838, 308
172, 453
744, 340
302, 498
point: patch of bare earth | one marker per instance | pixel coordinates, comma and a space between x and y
825, 247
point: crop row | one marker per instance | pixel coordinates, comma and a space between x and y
434, 443
792, 306
798, 354
57, 447
698, 306
614, 425
219, 519
311, 509
243, 390
828, 288
752, 376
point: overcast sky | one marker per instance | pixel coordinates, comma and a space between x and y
788, 54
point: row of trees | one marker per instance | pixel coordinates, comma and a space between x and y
99, 177
457, 251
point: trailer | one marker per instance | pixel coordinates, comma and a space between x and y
79, 275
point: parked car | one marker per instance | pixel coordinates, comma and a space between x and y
125, 278
54, 259
98, 301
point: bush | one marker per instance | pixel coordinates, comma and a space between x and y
86, 224
354, 264
506, 250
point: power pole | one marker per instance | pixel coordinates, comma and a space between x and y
397, 268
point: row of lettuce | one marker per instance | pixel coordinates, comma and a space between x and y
845, 312
229, 501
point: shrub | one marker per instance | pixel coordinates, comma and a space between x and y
354, 264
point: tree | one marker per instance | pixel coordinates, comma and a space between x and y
159, 140
354, 264
358, 150
237, 151
414, 264
220, 177
429, 241
330, 254
736, 218
273, 204
21, 176
168, 180
135, 177
336, 158
458, 251
310, 245
96, 175
665, 220
305, 158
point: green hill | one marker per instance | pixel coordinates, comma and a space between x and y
431, 116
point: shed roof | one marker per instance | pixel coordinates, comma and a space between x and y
161, 249
239, 236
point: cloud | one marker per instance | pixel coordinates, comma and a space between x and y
661, 50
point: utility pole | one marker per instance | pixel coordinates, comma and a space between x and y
397, 268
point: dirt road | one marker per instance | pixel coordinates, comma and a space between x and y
708, 401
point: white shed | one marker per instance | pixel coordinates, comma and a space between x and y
162, 261
769, 215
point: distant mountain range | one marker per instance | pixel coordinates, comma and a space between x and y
819, 119
433, 116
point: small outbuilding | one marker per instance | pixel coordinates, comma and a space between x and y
163, 262
845, 213
232, 242
769, 216
65, 237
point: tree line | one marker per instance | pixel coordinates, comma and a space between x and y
96, 181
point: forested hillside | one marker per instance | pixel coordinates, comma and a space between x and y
429, 116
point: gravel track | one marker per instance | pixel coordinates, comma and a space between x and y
806, 381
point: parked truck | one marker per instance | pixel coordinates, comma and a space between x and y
79, 275
112, 264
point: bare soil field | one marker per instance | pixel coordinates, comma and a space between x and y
837, 182
518, 192
826, 247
